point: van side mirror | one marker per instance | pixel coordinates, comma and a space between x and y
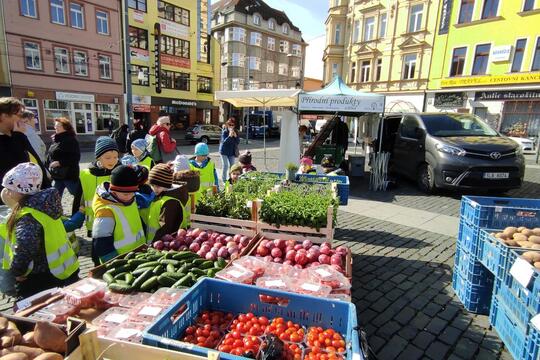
418, 133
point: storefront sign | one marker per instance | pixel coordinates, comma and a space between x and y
161, 101
506, 95
141, 99
453, 99
138, 16
445, 16
157, 52
67, 96
501, 53
340, 103
141, 108
139, 54
173, 29
492, 80
175, 61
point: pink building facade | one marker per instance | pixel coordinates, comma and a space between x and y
65, 60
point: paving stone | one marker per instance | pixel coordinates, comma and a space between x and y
437, 350
450, 335
381, 305
449, 312
432, 309
420, 321
405, 315
423, 339
461, 322
389, 329
376, 343
392, 349
436, 325
411, 352
465, 347
408, 332
484, 354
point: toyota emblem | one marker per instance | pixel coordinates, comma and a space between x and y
495, 155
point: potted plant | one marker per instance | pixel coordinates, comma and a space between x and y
290, 172
190, 177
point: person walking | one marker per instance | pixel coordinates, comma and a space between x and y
166, 144
120, 135
228, 147
63, 157
139, 132
14, 145
29, 129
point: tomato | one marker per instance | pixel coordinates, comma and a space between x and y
263, 320
190, 330
250, 316
236, 334
242, 318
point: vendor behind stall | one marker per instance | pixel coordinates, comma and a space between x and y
37, 252
328, 166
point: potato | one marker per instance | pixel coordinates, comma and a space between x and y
527, 232
521, 228
15, 356
3, 323
49, 337
510, 231
535, 246
501, 236
525, 244
50, 356
528, 256
511, 242
534, 239
29, 351
520, 237
537, 265
11, 336
28, 339
536, 231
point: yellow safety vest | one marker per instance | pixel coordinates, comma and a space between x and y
207, 179
60, 256
153, 225
146, 162
128, 231
89, 185
6, 247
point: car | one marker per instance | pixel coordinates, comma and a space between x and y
451, 151
527, 145
203, 133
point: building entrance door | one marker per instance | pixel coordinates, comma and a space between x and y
84, 118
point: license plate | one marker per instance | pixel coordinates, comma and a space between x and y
496, 175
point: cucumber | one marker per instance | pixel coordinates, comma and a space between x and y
130, 255
221, 263
197, 271
120, 288
170, 255
142, 278
158, 270
108, 278
148, 264
206, 265
170, 261
184, 255
128, 278
121, 282
171, 268
174, 275
198, 261
212, 272
140, 271
186, 281
136, 262
165, 280
119, 262
120, 276
120, 269
150, 284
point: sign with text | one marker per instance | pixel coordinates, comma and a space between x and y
173, 29
446, 13
453, 99
492, 80
175, 61
340, 103
138, 16
139, 54
501, 53
506, 95
157, 53
67, 96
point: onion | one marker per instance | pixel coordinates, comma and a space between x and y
203, 235
231, 244
205, 248
276, 252
325, 250
195, 247
181, 233
268, 258
298, 266
278, 260
167, 238
291, 243
262, 251
327, 244
288, 262
312, 257
306, 244
324, 259
237, 238
290, 255
201, 253
244, 241
280, 243
223, 252
210, 256
342, 250
182, 248
195, 232
298, 247
336, 259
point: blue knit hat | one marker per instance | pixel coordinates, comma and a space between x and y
104, 144
201, 149
130, 160
139, 144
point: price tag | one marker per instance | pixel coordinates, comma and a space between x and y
116, 318
86, 288
235, 273
275, 283
150, 311
126, 333
522, 271
536, 321
498, 209
311, 287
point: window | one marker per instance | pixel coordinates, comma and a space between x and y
76, 15
296, 50
238, 59
102, 22
137, 5
295, 71
271, 24
105, 67
285, 28
106, 114
490, 9
256, 19
32, 105
283, 69
32, 56
174, 80
284, 46
138, 38
254, 63
334, 70
518, 55
271, 44
481, 59
379, 70
520, 118
237, 84
466, 11
415, 18
175, 47
536, 58
408, 127
28, 8
204, 84
269, 85
255, 39
337, 34
382, 26
80, 60
356, 31
528, 5
270, 66
61, 60
55, 109
254, 85
409, 66
369, 28
137, 70
235, 34
365, 70
353, 72
57, 12
173, 13
458, 61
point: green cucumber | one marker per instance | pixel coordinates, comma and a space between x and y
170, 261
148, 264
140, 271
128, 278
108, 278
120, 288
212, 272
120, 276
198, 261
158, 270
136, 262
184, 255
171, 268
206, 265
197, 271
142, 278
174, 275
130, 255
221, 263
166, 281
150, 284
186, 281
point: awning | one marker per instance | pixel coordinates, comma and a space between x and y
260, 97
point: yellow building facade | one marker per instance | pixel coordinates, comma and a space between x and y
382, 46
174, 62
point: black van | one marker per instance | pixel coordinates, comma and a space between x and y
451, 150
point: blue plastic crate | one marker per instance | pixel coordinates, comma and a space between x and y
517, 309
475, 298
513, 335
530, 296
498, 213
468, 237
532, 350
341, 181
493, 253
217, 295
468, 267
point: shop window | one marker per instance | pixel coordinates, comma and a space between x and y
173, 13
32, 56
55, 109
138, 38
137, 5
517, 61
415, 18
481, 59
107, 116
80, 60
271, 44
32, 105
204, 84
521, 118
369, 28
466, 11
76, 15
58, 15
28, 8
458, 61
409, 66
365, 69
102, 22
105, 70
139, 75
61, 60
490, 9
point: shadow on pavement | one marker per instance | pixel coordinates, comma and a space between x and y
378, 238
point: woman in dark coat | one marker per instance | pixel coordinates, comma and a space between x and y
63, 157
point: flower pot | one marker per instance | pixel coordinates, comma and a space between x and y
291, 175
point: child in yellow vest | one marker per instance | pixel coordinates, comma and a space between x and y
206, 167
138, 149
234, 174
117, 227
37, 251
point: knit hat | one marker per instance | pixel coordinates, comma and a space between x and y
142, 175
129, 160
201, 149
181, 162
104, 144
161, 175
306, 161
25, 178
124, 179
235, 167
245, 158
139, 144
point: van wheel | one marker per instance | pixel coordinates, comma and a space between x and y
426, 179
204, 139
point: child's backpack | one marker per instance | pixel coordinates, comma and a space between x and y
153, 148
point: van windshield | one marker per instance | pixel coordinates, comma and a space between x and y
445, 125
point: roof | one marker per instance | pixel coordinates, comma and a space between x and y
255, 6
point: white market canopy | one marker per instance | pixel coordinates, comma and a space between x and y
260, 97
338, 98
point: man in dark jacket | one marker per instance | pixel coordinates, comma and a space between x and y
14, 146
120, 135
139, 132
